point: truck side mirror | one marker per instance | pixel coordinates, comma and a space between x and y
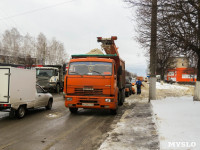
119, 71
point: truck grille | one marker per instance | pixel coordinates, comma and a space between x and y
80, 91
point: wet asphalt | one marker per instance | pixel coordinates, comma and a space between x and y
55, 129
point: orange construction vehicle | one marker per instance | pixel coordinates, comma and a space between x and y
96, 80
140, 78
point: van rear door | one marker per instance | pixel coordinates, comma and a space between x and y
4, 85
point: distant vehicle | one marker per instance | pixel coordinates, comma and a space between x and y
128, 88
141, 78
19, 92
158, 78
133, 80
51, 77
133, 88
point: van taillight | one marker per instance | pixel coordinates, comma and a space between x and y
5, 105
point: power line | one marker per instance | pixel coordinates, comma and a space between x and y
36, 10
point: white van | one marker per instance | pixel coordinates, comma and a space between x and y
18, 91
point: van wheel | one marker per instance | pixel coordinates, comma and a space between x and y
113, 111
73, 110
21, 111
49, 105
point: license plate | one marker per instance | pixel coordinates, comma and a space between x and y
87, 89
87, 104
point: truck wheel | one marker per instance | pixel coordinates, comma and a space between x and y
113, 111
130, 91
21, 111
120, 98
73, 110
58, 88
127, 94
123, 96
49, 105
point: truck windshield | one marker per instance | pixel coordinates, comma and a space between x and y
45, 72
90, 68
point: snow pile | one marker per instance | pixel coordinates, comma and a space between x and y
169, 86
178, 121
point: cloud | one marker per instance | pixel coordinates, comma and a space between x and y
77, 24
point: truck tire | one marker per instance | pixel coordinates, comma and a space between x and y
120, 103
113, 111
130, 91
127, 94
21, 111
58, 88
121, 98
49, 105
73, 110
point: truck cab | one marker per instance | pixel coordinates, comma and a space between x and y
91, 83
50, 77
96, 80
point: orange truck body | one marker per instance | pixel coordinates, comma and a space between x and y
141, 78
181, 75
87, 87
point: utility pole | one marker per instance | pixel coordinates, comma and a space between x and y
153, 47
197, 84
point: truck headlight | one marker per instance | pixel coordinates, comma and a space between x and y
107, 100
69, 98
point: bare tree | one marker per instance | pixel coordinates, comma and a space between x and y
28, 48
181, 24
165, 50
11, 44
56, 53
178, 29
16, 48
41, 48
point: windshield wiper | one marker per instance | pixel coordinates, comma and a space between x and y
96, 71
75, 72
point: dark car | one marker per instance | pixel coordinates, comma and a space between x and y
128, 88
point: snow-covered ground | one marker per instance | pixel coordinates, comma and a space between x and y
178, 122
169, 86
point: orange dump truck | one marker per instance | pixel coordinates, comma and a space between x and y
96, 81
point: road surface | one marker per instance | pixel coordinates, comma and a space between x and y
55, 129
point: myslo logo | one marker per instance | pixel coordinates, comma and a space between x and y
182, 144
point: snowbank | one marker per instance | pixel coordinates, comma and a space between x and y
169, 86
178, 121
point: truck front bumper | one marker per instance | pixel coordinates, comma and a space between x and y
91, 102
